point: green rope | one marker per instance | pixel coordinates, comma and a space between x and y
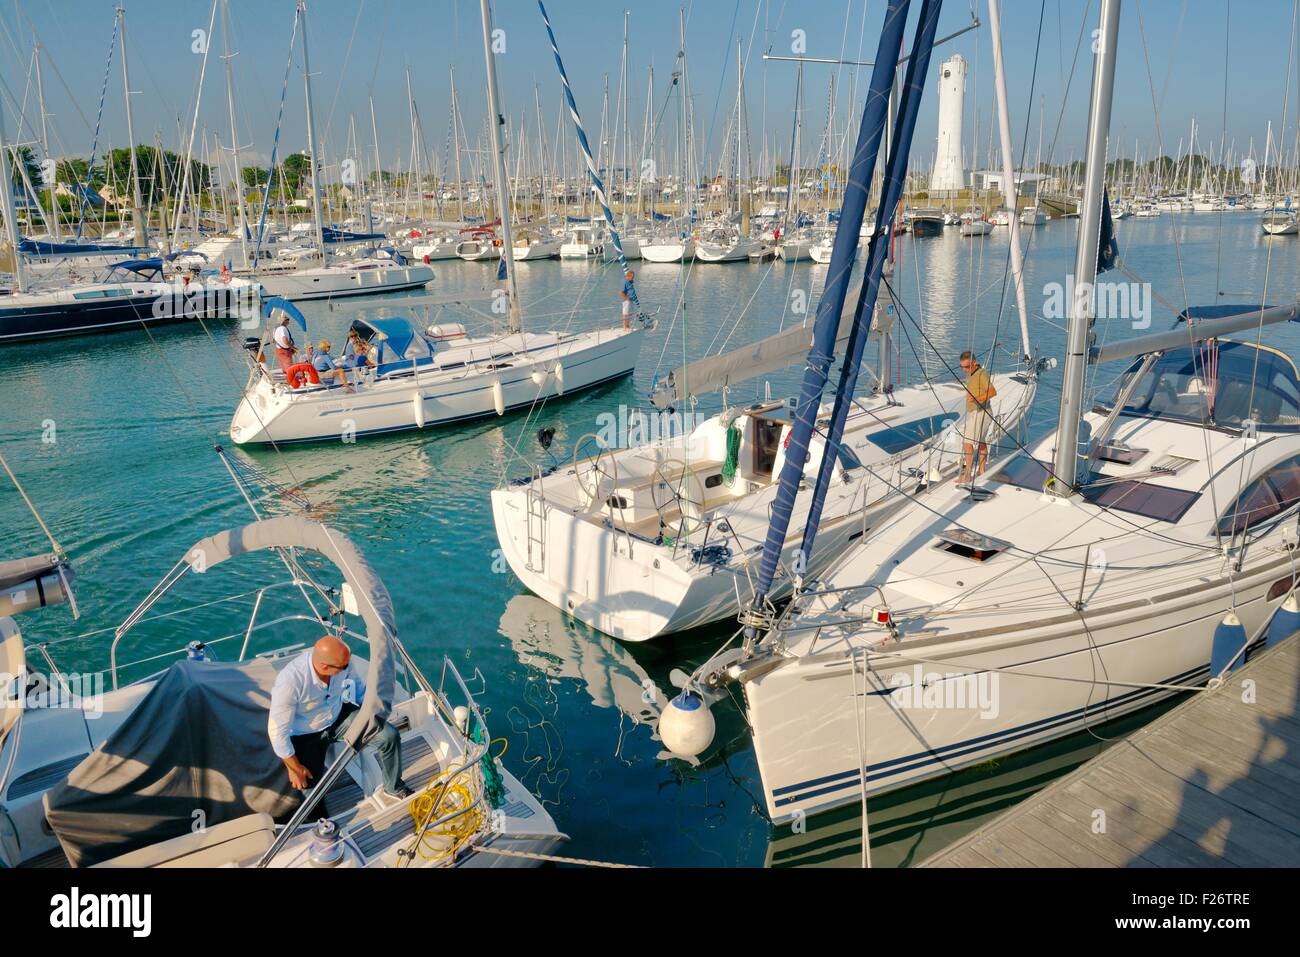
494, 788
733, 455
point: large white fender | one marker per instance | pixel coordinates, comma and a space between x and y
559, 379
417, 407
498, 397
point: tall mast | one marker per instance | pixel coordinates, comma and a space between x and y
139, 225
53, 219
415, 150
1008, 172
622, 86
311, 140
379, 169
7, 208
1078, 334
456, 130
234, 132
495, 121
791, 190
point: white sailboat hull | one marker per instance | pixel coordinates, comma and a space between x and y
332, 282
730, 253
902, 744
614, 575
270, 412
668, 252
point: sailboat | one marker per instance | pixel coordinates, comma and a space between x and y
372, 273
82, 765
130, 294
645, 541
1142, 548
441, 374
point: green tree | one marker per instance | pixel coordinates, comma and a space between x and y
296, 170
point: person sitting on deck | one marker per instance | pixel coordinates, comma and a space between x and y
309, 711
325, 365
356, 354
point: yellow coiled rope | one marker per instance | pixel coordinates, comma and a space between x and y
437, 800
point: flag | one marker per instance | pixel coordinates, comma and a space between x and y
1108, 245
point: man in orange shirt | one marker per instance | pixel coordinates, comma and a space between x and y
979, 420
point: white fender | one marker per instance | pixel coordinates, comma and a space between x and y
417, 406
559, 379
498, 397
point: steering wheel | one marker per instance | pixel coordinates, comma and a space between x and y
600, 473
686, 491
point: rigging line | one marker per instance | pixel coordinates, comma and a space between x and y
1024, 147
58, 549
347, 57
1223, 136
1015, 441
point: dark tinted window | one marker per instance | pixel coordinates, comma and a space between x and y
1138, 498
1271, 494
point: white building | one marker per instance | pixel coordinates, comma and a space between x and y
1027, 184
949, 174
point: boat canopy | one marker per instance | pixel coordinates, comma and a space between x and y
396, 340
332, 234
276, 307
1222, 383
148, 269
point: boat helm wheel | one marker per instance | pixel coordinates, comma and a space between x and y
682, 489
597, 478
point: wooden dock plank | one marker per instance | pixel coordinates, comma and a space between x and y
1214, 782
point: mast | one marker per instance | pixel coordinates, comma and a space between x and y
53, 219
311, 140
7, 208
1079, 331
1008, 172
234, 132
622, 89
495, 121
379, 169
791, 190
139, 224
456, 130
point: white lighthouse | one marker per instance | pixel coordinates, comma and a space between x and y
949, 174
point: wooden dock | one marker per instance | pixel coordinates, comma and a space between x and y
1215, 782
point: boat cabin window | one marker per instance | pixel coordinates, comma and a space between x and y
1159, 502
1273, 493
1220, 383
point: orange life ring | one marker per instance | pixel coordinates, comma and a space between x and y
302, 373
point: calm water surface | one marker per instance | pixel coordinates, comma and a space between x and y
130, 481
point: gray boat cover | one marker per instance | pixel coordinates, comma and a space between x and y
197, 742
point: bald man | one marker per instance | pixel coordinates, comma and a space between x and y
313, 701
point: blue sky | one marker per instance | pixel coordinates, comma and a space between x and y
362, 48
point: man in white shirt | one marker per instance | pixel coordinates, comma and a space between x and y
313, 701
285, 347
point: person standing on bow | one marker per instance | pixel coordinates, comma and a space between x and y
979, 419
628, 295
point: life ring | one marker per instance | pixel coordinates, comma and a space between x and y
496, 243
300, 374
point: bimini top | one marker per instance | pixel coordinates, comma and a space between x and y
397, 341
1220, 383
148, 269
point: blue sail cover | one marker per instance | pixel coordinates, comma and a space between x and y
895, 178
32, 247
829, 309
269, 306
333, 234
